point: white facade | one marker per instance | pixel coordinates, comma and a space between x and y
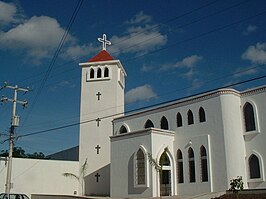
102, 99
219, 145
31, 176
202, 142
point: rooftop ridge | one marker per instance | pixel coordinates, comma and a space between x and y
195, 98
101, 56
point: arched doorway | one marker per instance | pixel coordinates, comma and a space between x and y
165, 175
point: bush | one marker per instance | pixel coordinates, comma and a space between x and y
236, 184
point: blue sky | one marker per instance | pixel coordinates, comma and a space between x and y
169, 49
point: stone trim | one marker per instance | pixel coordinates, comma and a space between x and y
141, 133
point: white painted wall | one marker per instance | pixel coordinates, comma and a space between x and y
233, 138
37, 176
223, 136
110, 104
255, 140
122, 164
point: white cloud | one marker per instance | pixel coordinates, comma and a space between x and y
250, 29
77, 51
189, 74
7, 12
142, 36
62, 84
140, 18
39, 36
140, 93
146, 68
187, 62
240, 72
256, 54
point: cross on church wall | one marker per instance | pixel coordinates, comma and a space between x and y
97, 149
97, 177
98, 122
104, 41
99, 95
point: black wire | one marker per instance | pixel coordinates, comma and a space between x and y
140, 109
51, 65
156, 26
217, 29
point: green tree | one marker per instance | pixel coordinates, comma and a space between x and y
19, 152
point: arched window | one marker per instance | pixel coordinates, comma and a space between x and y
180, 173
190, 118
164, 160
122, 129
91, 73
99, 73
254, 166
179, 120
148, 124
164, 123
140, 168
106, 72
202, 117
249, 117
203, 164
191, 165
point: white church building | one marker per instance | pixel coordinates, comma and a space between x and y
199, 143
202, 142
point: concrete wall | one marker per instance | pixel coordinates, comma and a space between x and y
92, 134
123, 162
31, 176
222, 134
209, 134
255, 140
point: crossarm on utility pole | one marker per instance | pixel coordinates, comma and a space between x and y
14, 123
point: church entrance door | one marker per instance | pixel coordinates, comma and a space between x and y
165, 183
165, 176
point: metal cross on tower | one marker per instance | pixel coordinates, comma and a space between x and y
14, 123
104, 41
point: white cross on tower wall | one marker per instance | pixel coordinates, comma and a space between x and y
104, 41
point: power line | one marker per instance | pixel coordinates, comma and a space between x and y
156, 26
169, 20
191, 38
51, 65
182, 26
182, 41
200, 35
140, 109
163, 94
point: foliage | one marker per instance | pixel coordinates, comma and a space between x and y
81, 176
236, 184
19, 152
153, 162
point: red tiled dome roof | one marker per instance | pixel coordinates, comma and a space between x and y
102, 56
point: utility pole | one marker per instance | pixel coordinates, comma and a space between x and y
14, 123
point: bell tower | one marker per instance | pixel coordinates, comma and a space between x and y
102, 99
